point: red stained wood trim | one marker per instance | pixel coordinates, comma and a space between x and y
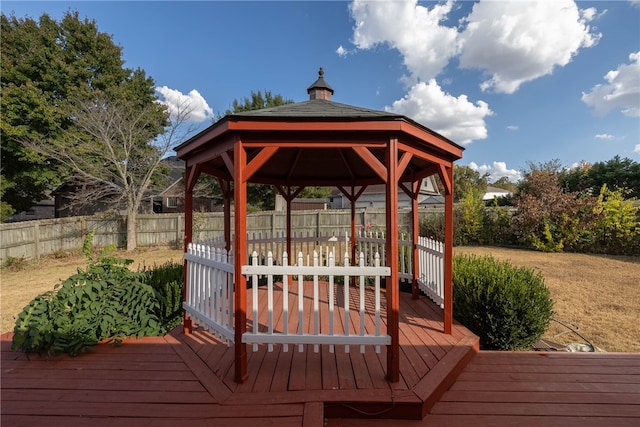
392, 285
227, 162
448, 252
373, 162
313, 414
240, 294
256, 163
212, 383
404, 162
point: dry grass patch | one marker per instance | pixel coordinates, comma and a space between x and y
599, 294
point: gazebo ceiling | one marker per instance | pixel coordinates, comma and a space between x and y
318, 142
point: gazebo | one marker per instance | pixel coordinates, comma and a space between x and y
320, 142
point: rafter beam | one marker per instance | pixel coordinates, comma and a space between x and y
258, 161
376, 165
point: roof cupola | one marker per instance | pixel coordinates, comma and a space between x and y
320, 89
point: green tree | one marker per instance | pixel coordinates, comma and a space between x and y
466, 179
576, 179
105, 132
505, 184
617, 229
548, 218
259, 197
617, 174
46, 67
470, 208
258, 101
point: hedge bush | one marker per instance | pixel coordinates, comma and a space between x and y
508, 307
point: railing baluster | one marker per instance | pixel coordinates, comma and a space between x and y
332, 262
270, 298
316, 303
377, 301
254, 289
300, 300
346, 302
362, 291
285, 300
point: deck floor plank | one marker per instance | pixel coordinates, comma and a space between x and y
188, 379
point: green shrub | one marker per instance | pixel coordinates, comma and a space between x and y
107, 301
617, 228
508, 307
167, 281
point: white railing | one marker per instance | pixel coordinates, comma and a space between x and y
210, 289
354, 332
430, 260
210, 278
307, 243
431, 269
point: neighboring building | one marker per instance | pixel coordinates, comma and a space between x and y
495, 193
169, 199
44, 209
374, 196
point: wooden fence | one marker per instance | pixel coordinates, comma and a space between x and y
34, 239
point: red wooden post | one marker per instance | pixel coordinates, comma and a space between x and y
392, 285
225, 185
240, 297
354, 261
288, 199
415, 190
187, 326
448, 252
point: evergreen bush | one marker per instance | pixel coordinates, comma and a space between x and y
508, 307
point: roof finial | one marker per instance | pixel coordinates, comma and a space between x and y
320, 89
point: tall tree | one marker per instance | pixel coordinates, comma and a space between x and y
258, 101
97, 122
616, 173
259, 197
467, 180
46, 67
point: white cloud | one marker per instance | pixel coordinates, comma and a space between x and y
414, 30
604, 136
636, 149
512, 127
496, 171
515, 42
456, 118
341, 51
622, 90
178, 103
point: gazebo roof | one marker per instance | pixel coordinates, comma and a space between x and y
317, 109
313, 143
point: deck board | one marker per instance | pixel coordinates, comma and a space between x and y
163, 381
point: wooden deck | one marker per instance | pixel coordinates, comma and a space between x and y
189, 378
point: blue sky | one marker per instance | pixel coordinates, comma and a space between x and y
511, 81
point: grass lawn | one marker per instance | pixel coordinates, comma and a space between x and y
599, 294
